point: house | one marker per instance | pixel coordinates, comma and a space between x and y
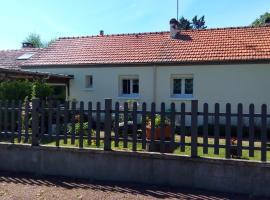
213, 65
11, 60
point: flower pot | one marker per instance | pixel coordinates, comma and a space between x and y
157, 136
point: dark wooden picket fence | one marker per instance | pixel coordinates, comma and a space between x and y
38, 121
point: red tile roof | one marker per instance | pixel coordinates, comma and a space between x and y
194, 46
8, 58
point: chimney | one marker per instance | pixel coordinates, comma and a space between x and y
267, 21
174, 28
27, 45
101, 32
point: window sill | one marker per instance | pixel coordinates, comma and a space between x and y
182, 98
129, 97
88, 89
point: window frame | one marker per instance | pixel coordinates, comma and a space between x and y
86, 79
183, 78
131, 78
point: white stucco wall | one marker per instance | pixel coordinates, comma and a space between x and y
247, 83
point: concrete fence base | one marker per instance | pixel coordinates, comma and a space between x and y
148, 168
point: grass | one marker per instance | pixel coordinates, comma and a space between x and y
177, 151
210, 154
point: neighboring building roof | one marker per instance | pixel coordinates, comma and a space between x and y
241, 44
12, 59
4, 70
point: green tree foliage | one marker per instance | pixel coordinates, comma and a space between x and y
41, 90
23, 89
35, 39
196, 23
15, 90
184, 24
261, 20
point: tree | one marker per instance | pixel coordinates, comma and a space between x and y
184, 24
35, 39
197, 23
261, 20
15, 90
41, 90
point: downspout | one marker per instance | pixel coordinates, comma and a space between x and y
155, 84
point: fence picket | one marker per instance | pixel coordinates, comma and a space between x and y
98, 124
12, 121
144, 125
66, 118
73, 114
89, 119
251, 130
172, 122
1, 117
81, 131
263, 132
205, 128
125, 131
162, 128
42, 119
239, 129
228, 131
153, 128
216, 129
194, 128
35, 121
57, 131
19, 121
183, 128
6, 119
26, 121
116, 125
108, 125
134, 127
50, 118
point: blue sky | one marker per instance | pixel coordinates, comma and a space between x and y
55, 18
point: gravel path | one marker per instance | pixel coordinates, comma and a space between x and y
29, 187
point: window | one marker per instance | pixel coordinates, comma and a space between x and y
89, 81
129, 86
25, 56
181, 86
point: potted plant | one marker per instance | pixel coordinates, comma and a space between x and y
156, 146
157, 134
233, 150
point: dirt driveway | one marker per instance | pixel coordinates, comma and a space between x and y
26, 187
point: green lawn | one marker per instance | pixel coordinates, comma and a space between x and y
245, 153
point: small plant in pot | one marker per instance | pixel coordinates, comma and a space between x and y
157, 134
233, 150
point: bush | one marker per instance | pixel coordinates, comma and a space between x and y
77, 129
23, 89
41, 90
15, 90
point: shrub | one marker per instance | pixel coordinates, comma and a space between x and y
41, 90
15, 90
77, 128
